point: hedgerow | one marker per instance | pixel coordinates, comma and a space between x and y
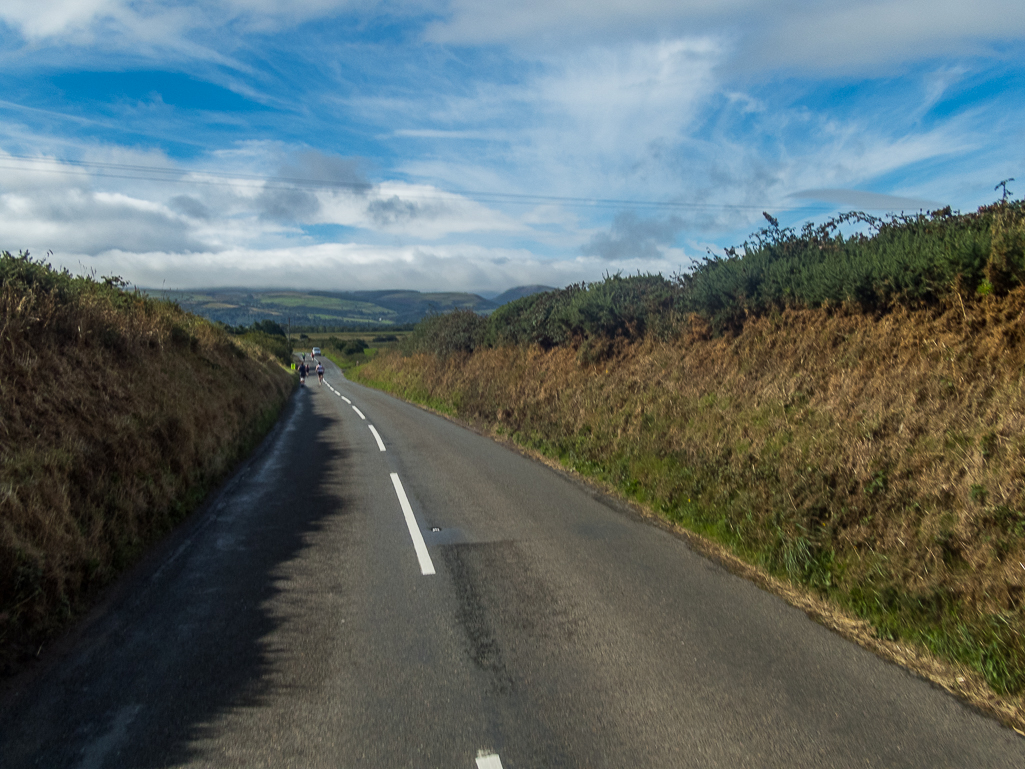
460, 331
907, 261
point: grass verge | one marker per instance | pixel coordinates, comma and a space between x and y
118, 413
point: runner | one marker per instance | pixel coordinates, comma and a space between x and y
320, 371
302, 373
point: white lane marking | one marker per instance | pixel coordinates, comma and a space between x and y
489, 762
358, 412
426, 564
345, 399
380, 443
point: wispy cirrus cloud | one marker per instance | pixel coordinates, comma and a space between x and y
559, 136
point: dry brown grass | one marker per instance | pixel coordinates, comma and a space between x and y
116, 414
876, 462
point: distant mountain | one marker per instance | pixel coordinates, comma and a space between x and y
243, 307
518, 293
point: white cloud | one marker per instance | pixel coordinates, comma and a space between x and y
419, 211
586, 121
836, 35
90, 223
874, 35
36, 20
150, 21
350, 267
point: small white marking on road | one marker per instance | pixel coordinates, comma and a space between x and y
345, 399
358, 412
489, 762
426, 564
380, 443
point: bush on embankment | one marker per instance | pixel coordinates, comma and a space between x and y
117, 414
908, 261
875, 455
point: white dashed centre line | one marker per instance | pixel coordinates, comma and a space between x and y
426, 564
358, 412
489, 762
345, 399
380, 443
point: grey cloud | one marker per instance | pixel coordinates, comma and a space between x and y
292, 196
870, 201
631, 237
286, 204
319, 169
395, 210
189, 206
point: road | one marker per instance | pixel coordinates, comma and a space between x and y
379, 587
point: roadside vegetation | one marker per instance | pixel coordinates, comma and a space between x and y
845, 412
266, 334
352, 349
118, 413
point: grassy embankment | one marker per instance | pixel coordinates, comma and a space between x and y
870, 451
117, 414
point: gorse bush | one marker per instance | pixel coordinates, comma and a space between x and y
460, 331
616, 307
909, 261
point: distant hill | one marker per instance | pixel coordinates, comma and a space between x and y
518, 293
243, 307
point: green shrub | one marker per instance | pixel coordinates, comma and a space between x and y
354, 346
901, 260
542, 319
460, 331
911, 260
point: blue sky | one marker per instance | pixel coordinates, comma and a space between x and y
472, 145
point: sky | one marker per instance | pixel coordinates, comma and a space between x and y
478, 145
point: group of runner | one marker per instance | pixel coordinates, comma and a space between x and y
307, 368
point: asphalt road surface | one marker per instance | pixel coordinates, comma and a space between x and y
379, 587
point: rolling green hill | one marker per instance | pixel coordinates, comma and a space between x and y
242, 307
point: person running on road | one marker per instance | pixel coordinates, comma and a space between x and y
320, 371
302, 373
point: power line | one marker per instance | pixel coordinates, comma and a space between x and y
91, 169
